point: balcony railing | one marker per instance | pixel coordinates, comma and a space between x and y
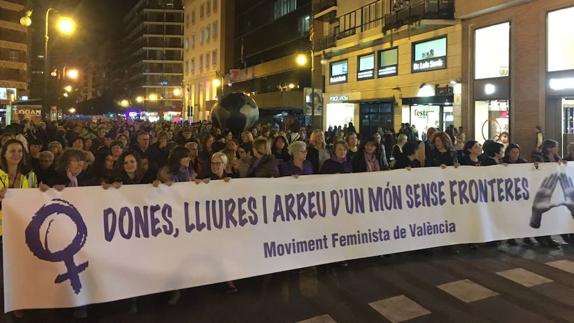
320, 5
362, 19
417, 10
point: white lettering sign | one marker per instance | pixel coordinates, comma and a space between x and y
429, 64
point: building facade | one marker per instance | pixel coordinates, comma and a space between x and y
207, 48
518, 70
13, 52
153, 56
389, 62
271, 56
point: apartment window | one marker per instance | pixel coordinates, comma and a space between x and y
283, 7
208, 8
207, 33
304, 24
214, 57
186, 43
187, 21
201, 37
492, 51
214, 30
192, 67
200, 63
215, 6
560, 40
13, 55
207, 56
186, 67
201, 11
193, 38
193, 17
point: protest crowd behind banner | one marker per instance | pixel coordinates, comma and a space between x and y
102, 211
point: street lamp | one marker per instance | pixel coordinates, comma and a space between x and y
177, 92
68, 88
73, 74
124, 103
301, 59
139, 99
66, 26
216, 83
72, 110
153, 97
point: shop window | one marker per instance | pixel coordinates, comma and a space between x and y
339, 72
560, 40
492, 51
429, 55
491, 119
388, 62
366, 67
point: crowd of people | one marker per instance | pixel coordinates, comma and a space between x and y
115, 153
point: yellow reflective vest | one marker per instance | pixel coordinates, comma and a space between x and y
5, 183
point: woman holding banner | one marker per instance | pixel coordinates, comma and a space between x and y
548, 154
443, 153
298, 165
177, 168
368, 159
339, 162
471, 153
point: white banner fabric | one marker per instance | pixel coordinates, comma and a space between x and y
90, 245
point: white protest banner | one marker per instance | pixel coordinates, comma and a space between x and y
90, 245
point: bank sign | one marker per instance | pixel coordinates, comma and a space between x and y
430, 55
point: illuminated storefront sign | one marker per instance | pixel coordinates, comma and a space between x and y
339, 72
429, 55
366, 70
388, 62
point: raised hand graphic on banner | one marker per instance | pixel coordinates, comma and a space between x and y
541, 203
568, 190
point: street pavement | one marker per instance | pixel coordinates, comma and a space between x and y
489, 284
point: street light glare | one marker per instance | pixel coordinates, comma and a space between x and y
177, 92
139, 99
72, 110
66, 25
216, 82
73, 74
153, 97
68, 88
301, 59
124, 103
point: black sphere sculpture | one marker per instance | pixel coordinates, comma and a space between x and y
236, 112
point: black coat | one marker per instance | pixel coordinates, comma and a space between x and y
84, 179
331, 166
360, 164
266, 167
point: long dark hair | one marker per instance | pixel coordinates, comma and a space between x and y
178, 153
119, 167
23, 167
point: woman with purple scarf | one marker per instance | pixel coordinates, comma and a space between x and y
177, 169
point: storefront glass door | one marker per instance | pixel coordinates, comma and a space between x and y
491, 118
567, 124
375, 115
424, 117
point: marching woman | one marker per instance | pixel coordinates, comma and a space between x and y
318, 152
13, 169
368, 159
397, 152
442, 153
71, 171
493, 153
280, 149
177, 169
548, 154
298, 165
264, 163
339, 162
471, 152
512, 155
129, 170
411, 152
218, 165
